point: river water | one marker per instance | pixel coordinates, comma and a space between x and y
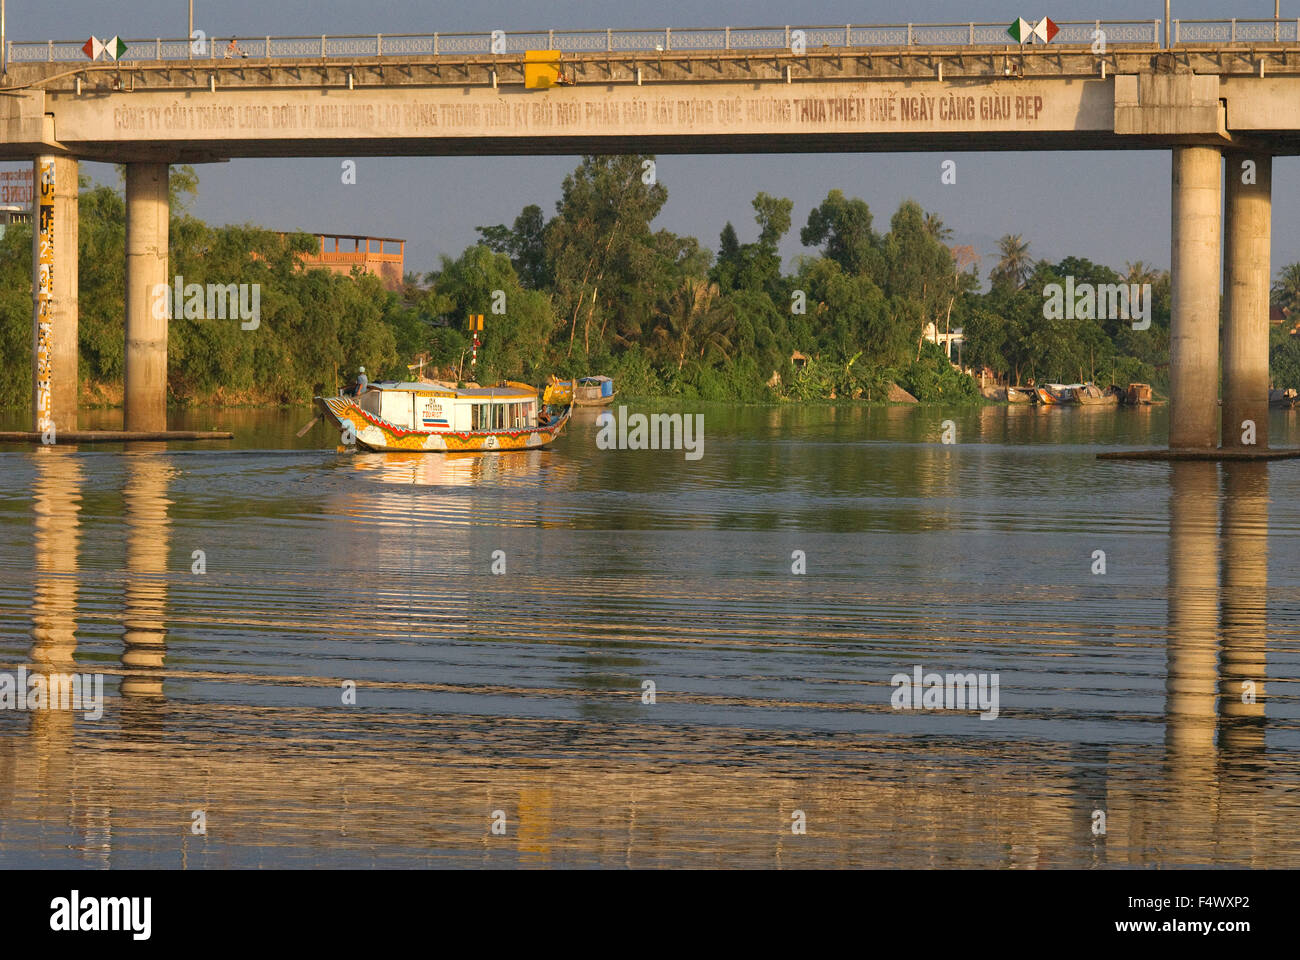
308, 659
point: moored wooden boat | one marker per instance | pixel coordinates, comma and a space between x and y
435, 416
1018, 394
1139, 395
1091, 395
1285, 399
597, 391
1055, 394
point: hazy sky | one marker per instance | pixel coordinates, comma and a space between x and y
1109, 207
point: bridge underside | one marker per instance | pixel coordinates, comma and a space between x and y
196, 151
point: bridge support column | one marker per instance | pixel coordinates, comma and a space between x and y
54, 295
147, 215
1247, 273
1194, 327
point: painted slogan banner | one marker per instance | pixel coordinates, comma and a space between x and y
45, 297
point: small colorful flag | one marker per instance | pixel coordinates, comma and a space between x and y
1044, 30
93, 48
115, 48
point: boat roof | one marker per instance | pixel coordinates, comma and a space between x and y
511, 392
600, 378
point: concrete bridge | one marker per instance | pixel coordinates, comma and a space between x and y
1208, 91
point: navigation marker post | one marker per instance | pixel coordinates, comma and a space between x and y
476, 327
1023, 32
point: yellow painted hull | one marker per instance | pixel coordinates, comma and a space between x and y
374, 433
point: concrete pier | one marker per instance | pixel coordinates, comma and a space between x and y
54, 295
1194, 326
147, 214
1247, 276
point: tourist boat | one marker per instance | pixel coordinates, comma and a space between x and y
1091, 395
1019, 394
437, 416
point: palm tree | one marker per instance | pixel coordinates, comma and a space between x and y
1015, 264
1286, 291
1140, 272
692, 318
936, 228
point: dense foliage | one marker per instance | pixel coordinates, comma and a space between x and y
596, 288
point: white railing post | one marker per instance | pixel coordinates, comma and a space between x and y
550, 39
727, 37
435, 44
1178, 32
379, 44
322, 46
157, 48
909, 34
51, 50
787, 37
972, 35
848, 34
268, 46
609, 40
1234, 30
668, 38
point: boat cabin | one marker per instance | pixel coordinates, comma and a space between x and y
441, 407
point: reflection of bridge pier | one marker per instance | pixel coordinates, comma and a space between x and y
1244, 609
56, 498
1217, 596
147, 548
1193, 643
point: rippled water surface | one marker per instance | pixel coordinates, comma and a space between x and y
1161, 692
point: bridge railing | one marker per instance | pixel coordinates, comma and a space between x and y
1072, 32
587, 41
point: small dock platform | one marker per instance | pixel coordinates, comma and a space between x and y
1234, 455
112, 436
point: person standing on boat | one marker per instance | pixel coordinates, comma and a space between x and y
362, 381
